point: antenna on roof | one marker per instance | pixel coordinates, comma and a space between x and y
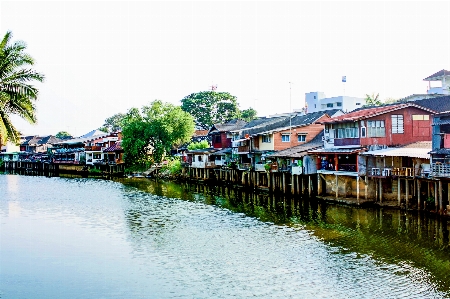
213, 87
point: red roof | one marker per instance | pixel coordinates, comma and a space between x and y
371, 112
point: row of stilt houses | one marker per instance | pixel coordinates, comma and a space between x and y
392, 155
92, 154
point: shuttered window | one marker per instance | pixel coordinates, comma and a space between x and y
397, 124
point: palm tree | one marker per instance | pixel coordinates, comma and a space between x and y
17, 95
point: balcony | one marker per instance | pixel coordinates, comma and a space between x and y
346, 141
93, 148
243, 149
440, 170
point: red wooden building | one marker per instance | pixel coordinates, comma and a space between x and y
220, 133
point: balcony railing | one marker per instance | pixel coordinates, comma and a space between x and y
440, 170
92, 148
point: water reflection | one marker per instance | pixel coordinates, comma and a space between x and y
88, 238
390, 236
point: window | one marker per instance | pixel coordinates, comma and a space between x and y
314, 97
358, 104
375, 128
363, 132
217, 139
199, 158
420, 117
315, 106
339, 104
301, 137
97, 156
346, 130
397, 124
330, 105
266, 139
285, 138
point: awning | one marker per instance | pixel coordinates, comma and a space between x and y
422, 153
336, 151
240, 140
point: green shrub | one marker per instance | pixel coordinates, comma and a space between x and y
173, 166
198, 145
94, 170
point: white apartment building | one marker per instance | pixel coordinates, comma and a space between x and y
317, 101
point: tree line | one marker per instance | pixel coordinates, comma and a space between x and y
152, 129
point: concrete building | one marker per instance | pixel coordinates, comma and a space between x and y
317, 101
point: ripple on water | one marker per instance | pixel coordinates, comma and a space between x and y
150, 245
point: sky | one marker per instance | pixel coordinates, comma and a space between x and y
100, 58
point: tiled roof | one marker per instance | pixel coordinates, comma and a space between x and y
113, 148
234, 124
50, 139
438, 104
283, 123
437, 76
199, 133
300, 150
372, 112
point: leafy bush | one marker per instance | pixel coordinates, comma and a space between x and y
94, 170
173, 166
198, 145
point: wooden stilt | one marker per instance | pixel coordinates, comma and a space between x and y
436, 195
407, 192
398, 192
380, 189
441, 206
357, 189
337, 187
418, 195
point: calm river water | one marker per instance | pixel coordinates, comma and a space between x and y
89, 238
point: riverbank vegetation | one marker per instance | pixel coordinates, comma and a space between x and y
149, 135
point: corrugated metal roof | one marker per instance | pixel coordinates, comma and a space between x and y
401, 152
337, 150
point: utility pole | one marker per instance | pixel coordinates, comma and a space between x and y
290, 114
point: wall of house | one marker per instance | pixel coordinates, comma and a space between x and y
311, 130
226, 142
413, 130
266, 146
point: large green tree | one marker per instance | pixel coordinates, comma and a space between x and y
118, 121
248, 114
154, 131
63, 134
211, 107
17, 94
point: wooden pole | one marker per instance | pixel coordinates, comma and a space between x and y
380, 186
407, 192
357, 189
418, 194
337, 187
398, 192
441, 206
